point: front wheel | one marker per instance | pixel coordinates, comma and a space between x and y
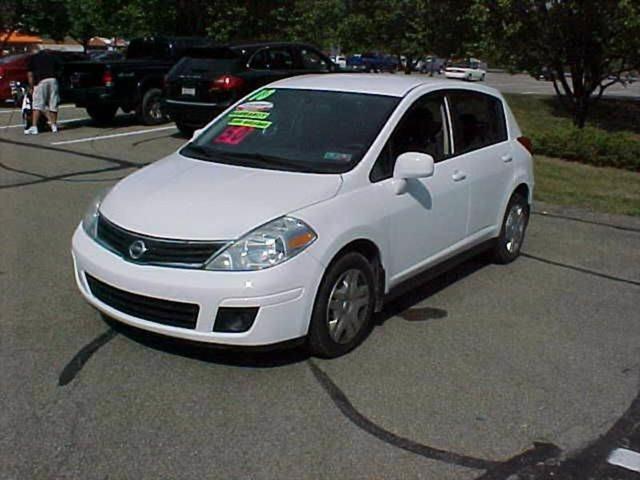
343, 310
514, 226
149, 111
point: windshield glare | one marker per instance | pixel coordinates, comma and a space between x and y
296, 130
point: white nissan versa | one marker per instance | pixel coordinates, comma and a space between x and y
297, 209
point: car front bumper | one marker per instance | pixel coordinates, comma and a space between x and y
284, 294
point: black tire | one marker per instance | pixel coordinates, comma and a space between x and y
102, 113
321, 341
506, 249
185, 130
149, 112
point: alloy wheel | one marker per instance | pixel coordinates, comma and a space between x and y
348, 306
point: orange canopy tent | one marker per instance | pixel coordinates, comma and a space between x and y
18, 38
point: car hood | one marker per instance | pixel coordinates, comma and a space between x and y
189, 199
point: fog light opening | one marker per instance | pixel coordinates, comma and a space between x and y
235, 319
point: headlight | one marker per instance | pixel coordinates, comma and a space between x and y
90, 220
266, 246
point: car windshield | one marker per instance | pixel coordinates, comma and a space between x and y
295, 130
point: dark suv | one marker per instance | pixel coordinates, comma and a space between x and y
208, 80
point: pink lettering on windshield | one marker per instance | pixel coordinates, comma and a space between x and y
233, 135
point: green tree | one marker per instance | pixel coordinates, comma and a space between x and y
411, 28
584, 45
45, 18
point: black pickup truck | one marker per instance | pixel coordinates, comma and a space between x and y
133, 84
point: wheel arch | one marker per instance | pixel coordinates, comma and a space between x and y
147, 83
367, 248
520, 186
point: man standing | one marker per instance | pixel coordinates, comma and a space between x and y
42, 79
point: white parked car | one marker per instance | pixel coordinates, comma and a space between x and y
341, 61
465, 71
297, 210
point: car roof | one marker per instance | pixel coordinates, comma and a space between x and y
256, 44
394, 85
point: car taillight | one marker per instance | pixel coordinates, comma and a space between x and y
526, 143
226, 82
107, 79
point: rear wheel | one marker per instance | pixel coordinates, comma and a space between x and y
102, 113
343, 309
149, 111
514, 226
185, 129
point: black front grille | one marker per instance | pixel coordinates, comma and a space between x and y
167, 312
158, 251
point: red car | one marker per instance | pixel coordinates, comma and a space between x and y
13, 68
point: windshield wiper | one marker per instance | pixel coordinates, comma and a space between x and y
262, 160
198, 150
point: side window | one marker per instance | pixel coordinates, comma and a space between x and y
259, 61
272, 59
280, 59
312, 60
423, 128
478, 120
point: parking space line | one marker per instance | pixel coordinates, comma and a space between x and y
4, 127
621, 457
114, 135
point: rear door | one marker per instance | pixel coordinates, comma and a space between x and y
481, 144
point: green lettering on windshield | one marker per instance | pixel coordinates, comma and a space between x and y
248, 122
262, 94
249, 114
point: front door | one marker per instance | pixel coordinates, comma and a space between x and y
431, 215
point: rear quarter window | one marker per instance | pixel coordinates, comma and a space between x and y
478, 120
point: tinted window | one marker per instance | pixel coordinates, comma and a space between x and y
296, 130
421, 129
312, 60
478, 120
272, 59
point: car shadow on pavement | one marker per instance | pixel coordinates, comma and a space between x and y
422, 287
246, 357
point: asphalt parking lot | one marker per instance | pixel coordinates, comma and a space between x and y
494, 372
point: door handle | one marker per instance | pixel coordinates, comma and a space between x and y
458, 175
507, 158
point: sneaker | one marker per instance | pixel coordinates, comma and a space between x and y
31, 131
54, 128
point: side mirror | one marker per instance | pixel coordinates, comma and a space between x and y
196, 133
411, 165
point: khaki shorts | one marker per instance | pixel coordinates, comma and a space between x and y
46, 96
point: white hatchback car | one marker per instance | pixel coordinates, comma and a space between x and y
297, 210
465, 71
